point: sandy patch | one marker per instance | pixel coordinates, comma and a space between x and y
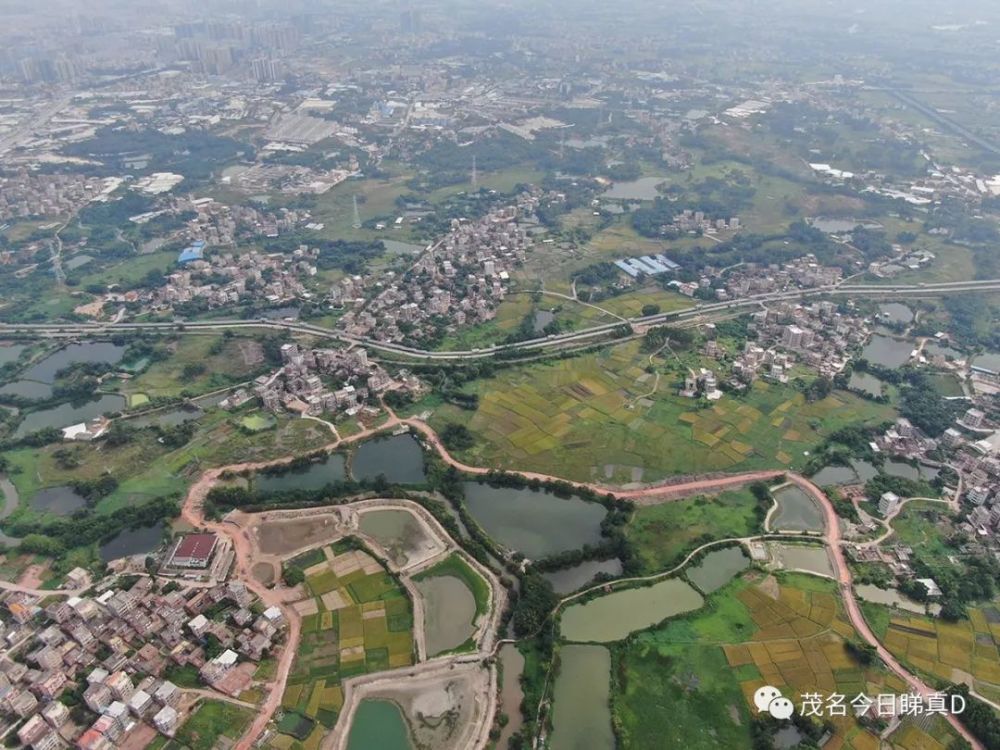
306, 607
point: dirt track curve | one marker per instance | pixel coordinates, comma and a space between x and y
663, 492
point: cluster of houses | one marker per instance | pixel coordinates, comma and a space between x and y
115, 649
748, 279
818, 334
231, 278
318, 381
25, 193
460, 280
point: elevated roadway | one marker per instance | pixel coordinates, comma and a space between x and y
530, 347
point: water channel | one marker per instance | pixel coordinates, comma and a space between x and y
511, 693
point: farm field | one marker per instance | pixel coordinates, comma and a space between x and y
630, 304
662, 534
144, 469
543, 417
356, 619
512, 312
788, 632
198, 364
917, 526
943, 650
210, 725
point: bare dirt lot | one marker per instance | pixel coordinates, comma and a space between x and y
280, 537
264, 572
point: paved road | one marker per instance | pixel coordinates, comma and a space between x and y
593, 334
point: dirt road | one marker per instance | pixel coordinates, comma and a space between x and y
857, 619
668, 490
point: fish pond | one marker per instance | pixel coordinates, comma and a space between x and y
802, 557
614, 616
131, 542
378, 725
643, 189
717, 568
167, 417
797, 511
312, 476
567, 580
864, 381
858, 472
449, 612
59, 501
44, 371
896, 312
839, 226
10, 352
887, 351
989, 361
399, 458
30, 389
581, 711
534, 522
68, 414
893, 598
398, 531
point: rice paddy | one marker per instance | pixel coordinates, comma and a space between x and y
950, 651
789, 632
356, 619
542, 416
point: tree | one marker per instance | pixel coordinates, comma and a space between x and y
533, 606
293, 576
650, 309
119, 433
457, 437
42, 545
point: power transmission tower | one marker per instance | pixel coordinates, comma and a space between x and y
357, 216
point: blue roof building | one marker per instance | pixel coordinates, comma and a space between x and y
194, 251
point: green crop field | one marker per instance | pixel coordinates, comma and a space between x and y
788, 632
212, 721
943, 650
543, 417
198, 364
662, 534
357, 619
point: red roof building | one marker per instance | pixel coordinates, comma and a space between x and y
194, 551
